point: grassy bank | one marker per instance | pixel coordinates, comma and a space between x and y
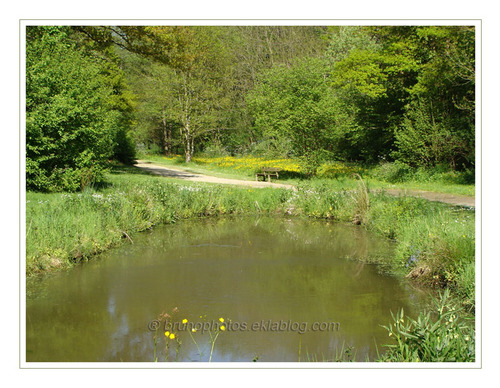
434, 243
64, 228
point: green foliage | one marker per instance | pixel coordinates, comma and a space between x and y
414, 90
435, 336
164, 44
125, 149
297, 103
392, 172
342, 93
336, 170
361, 72
423, 141
367, 74
345, 39
71, 117
181, 108
439, 123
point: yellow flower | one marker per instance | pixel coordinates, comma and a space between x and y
172, 336
222, 327
221, 319
167, 333
184, 321
193, 330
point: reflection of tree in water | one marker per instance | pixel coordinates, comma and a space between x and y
245, 268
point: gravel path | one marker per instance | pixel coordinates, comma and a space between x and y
452, 199
172, 172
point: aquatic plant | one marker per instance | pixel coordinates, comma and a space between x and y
439, 335
165, 320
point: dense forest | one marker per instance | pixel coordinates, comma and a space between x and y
354, 94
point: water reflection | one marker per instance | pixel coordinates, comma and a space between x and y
244, 269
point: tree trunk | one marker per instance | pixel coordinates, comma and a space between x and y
188, 142
166, 136
189, 149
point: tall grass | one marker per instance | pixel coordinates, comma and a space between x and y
440, 334
65, 228
435, 243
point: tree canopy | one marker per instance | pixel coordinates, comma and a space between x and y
77, 110
361, 94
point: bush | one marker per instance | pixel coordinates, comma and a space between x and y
71, 127
398, 172
124, 150
424, 140
272, 148
213, 151
392, 172
336, 170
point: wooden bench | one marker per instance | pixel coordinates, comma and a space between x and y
268, 172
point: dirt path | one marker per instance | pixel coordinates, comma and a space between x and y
452, 199
172, 172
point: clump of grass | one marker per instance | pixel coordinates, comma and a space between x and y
435, 243
337, 170
361, 201
442, 334
439, 335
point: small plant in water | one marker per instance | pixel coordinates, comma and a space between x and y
173, 338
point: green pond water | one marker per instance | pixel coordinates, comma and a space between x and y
286, 288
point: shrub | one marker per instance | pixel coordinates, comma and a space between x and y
336, 170
70, 123
392, 172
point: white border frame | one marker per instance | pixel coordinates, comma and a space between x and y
23, 364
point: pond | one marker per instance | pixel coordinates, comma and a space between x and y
287, 289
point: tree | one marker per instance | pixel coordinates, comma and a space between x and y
164, 44
440, 117
214, 69
191, 96
298, 103
423, 140
71, 119
374, 74
257, 49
